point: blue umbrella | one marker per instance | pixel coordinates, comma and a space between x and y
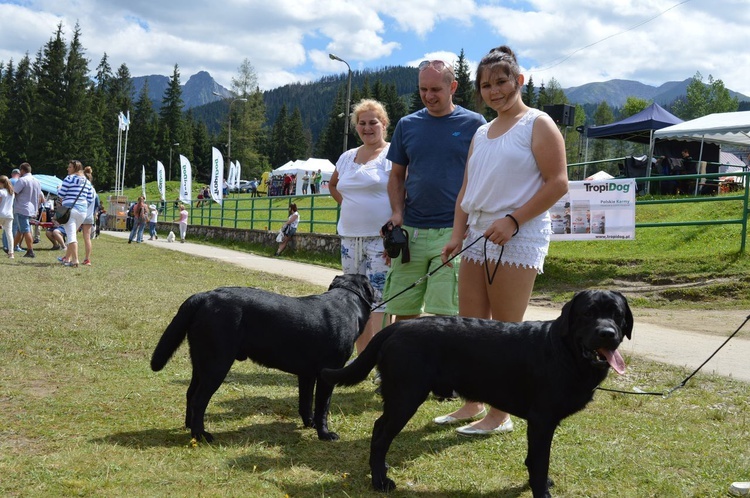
49, 183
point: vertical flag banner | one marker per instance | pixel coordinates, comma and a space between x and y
230, 177
186, 180
217, 175
595, 210
161, 180
143, 181
237, 175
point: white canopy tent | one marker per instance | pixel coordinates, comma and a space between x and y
311, 165
725, 128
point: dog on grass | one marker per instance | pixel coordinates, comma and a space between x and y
170, 236
541, 371
298, 335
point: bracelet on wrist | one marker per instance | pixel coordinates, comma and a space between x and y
514, 221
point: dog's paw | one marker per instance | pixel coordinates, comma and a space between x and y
385, 484
203, 435
328, 436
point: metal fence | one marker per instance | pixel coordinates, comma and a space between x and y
319, 213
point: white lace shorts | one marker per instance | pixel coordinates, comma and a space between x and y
526, 250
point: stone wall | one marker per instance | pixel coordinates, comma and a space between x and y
310, 242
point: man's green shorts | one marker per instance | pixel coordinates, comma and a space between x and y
438, 294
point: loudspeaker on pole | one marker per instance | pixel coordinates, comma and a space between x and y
561, 114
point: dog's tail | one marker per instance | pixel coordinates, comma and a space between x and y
358, 370
175, 333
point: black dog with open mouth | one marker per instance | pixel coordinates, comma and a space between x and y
541, 371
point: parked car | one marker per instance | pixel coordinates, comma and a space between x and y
243, 187
248, 186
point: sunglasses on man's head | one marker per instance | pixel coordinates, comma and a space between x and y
437, 65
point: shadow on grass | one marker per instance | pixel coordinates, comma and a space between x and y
352, 455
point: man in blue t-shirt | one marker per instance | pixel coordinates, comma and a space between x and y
428, 152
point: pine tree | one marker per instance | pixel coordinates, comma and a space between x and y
542, 98
464, 95
415, 102
298, 142
394, 105
280, 155
529, 95
142, 144
171, 111
19, 125
46, 152
331, 139
602, 116
81, 140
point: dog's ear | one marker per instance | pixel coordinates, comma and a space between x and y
337, 281
563, 320
628, 327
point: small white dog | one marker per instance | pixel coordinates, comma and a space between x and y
170, 237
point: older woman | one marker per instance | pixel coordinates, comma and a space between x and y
359, 184
76, 193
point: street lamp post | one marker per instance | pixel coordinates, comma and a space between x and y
348, 99
170, 159
229, 132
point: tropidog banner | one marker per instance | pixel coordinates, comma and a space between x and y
595, 210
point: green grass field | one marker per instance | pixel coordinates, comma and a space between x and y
81, 414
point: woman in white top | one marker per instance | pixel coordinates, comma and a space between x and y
360, 185
516, 171
6, 211
76, 193
289, 228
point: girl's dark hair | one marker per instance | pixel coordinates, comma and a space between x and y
498, 59
293, 206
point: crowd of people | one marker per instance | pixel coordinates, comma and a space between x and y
25, 210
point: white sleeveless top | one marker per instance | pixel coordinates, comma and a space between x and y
364, 188
502, 172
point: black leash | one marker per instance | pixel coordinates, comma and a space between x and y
429, 274
665, 394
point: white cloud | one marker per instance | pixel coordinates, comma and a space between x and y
576, 42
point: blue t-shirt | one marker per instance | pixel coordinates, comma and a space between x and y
433, 150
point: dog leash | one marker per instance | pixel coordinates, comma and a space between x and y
638, 391
429, 274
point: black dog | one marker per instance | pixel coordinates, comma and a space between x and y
539, 371
296, 335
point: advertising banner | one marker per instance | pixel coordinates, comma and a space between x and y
595, 210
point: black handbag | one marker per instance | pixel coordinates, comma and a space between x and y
62, 213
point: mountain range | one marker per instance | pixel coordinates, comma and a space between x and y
314, 99
200, 87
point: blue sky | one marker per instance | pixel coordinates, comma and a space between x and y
287, 41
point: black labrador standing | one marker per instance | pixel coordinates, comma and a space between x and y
539, 371
300, 336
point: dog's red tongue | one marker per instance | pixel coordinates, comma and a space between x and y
614, 359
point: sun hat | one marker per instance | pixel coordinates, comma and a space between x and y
152, 206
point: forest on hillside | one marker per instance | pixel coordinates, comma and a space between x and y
55, 107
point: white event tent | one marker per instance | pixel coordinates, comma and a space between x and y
723, 128
299, 167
